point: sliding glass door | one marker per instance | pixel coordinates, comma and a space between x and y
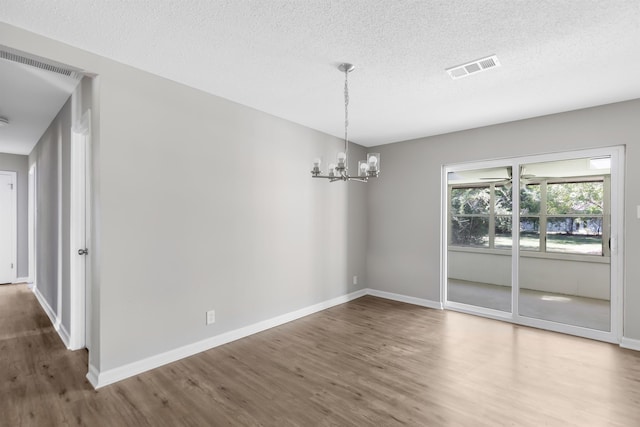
558, 268
479, 251
565, 261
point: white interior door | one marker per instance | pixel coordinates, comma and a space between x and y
7, 227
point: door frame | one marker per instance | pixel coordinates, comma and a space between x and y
79, 220
617, 154
13, 223
32, 218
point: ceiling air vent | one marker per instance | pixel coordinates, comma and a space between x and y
473, 67
38, 62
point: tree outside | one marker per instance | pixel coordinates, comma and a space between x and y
574, 216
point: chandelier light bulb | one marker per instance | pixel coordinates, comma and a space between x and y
373, 161
363, 167
316, 163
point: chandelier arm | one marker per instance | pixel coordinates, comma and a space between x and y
342, 178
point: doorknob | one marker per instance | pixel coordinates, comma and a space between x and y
84, 251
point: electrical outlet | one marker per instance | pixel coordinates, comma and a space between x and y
355, 280
211, 317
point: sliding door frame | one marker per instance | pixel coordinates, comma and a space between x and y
616, 234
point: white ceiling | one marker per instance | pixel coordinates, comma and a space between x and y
279, 56
30, 99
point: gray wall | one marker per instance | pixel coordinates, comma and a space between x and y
403, 254
211, 206
199, 204
20, 165
51, 155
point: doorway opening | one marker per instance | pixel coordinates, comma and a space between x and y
8, 227
52, 128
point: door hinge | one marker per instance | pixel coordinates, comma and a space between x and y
11, 186
12, 266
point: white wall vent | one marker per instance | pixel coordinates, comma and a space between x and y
473, 67
38, 62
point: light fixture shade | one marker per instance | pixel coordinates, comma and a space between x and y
373, 159
315, 171
363, 168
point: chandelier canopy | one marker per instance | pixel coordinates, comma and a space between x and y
369, 168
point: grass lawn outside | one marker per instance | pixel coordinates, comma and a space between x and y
557, 243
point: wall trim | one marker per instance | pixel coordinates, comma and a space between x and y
92, 375
56, 322
45, 306
404, 298
65, 336
630, 343
21, 280
103, 378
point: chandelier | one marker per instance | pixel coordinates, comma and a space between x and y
369, 168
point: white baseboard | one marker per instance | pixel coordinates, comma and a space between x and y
403, 298
53, 317
630, 343
46, 307
65, 336
92, 375
100, 379
21, 280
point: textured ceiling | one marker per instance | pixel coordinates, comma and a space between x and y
279, 56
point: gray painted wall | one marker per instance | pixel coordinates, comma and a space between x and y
20, 165
211, 206
403, 254
51, 155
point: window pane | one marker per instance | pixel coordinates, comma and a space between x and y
470, 231
530, 199
529, 234
575, 235
503, 200
503, 232
575, 198
473, 200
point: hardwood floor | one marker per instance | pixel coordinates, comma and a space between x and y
370, 362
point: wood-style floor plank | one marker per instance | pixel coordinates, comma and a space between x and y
370, 362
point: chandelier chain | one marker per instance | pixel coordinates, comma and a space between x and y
346, 111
